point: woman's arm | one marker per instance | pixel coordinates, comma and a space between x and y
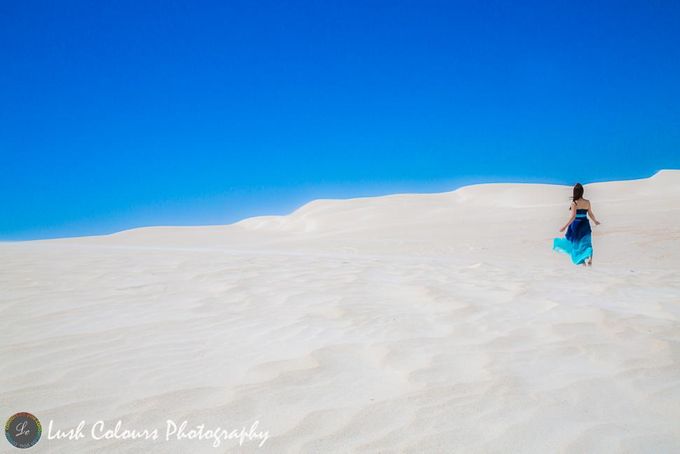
571, 219
592, 215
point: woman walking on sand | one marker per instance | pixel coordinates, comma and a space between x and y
577, 242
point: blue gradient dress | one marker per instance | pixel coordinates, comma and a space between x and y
576, 242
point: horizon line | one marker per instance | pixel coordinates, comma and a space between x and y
4, 241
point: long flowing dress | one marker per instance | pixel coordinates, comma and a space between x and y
577, 241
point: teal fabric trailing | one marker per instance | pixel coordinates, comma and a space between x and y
576, 242
579, 250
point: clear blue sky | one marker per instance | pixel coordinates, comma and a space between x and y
128, 113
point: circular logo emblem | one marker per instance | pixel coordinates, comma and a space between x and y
23, 430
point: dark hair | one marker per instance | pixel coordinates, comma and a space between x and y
578, 193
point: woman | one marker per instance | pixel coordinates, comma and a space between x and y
577, 242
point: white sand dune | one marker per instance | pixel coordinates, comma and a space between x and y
404, 323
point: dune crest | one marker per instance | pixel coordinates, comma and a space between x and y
496, 218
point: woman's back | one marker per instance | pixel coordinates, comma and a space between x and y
582, 204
